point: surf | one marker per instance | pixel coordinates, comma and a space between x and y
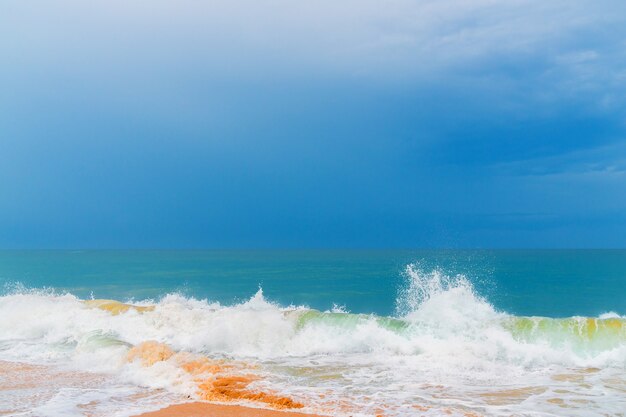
443, 334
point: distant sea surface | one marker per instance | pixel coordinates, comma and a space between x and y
335, 332
553, 283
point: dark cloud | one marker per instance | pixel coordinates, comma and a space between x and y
356, 123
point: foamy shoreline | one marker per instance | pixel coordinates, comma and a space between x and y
453, 354
18, 379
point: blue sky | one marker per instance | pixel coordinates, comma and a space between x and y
449, 123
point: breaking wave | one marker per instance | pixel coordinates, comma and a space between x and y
443, 333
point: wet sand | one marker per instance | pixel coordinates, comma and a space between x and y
18, 380
216, 410
24, 386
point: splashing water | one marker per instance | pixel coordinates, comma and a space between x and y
421, 286
448, 352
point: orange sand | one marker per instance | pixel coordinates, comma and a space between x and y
216, 410
216, 380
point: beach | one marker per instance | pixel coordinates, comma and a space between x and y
329, 208
219, 410
446, 349
19, 380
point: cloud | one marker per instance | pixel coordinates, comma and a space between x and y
602, 163
520, 53
350, 35
379, 109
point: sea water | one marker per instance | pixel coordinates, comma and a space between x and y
359, 333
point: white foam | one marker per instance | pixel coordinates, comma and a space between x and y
452, 338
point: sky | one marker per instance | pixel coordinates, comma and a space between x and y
328, 123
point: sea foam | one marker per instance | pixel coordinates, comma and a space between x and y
448, 350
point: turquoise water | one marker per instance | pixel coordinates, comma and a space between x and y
551, 283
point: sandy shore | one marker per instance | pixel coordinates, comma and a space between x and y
215, 410
18, 381
24, 386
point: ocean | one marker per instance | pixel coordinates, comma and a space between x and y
335, 332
